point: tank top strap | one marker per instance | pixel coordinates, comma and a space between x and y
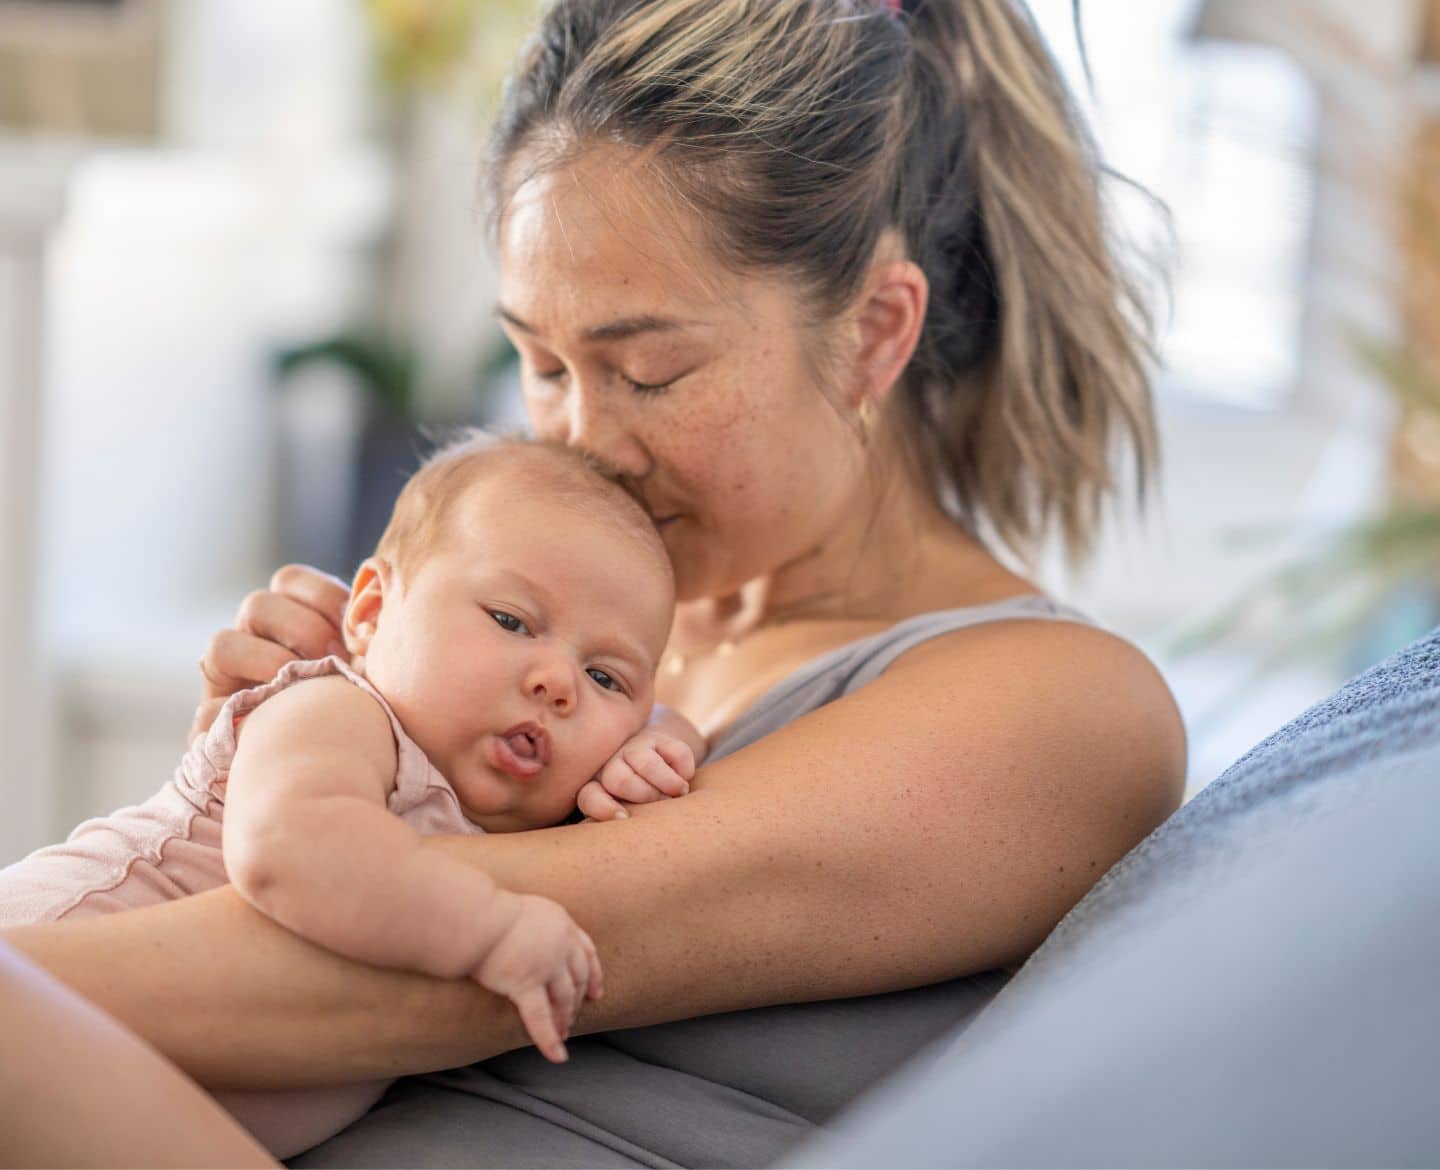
875, 655
848, 668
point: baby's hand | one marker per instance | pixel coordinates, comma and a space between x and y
649, 766
547, 967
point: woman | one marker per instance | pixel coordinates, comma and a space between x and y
826, 281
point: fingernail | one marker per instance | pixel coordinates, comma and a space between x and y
622, 815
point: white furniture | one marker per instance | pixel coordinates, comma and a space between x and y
32, 200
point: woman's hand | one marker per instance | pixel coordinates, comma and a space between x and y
298, 616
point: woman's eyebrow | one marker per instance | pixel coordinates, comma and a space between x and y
612, 330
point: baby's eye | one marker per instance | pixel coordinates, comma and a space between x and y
606, 680
508, 621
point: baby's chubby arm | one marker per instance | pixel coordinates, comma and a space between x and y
656, 762
309, 842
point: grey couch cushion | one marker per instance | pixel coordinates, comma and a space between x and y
1257, 983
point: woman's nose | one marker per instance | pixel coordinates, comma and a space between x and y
595, 426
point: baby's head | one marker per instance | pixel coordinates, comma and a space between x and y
513, 616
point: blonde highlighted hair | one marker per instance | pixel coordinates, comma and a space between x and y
801, 130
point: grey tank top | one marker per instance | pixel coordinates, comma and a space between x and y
735, 1089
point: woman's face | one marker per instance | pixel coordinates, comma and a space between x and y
639, 347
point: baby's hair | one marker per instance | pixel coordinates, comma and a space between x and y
569, 477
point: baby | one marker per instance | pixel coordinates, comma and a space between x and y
503, 642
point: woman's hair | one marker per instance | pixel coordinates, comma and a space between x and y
800, 130
425, 510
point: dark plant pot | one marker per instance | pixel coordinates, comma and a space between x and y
389, 453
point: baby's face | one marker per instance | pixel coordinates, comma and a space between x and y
521, 653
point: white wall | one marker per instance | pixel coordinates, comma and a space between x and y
177, 269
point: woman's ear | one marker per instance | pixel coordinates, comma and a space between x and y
890, 317
367, 597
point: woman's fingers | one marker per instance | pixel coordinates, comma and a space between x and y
204, 717
299, 616
305, 632
235, 660
325, 594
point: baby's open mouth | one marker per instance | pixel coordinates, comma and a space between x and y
522, 751
523, 745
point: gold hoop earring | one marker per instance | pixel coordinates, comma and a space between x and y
866, 414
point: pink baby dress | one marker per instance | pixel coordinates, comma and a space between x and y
169, 847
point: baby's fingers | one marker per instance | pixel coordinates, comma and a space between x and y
656, 772
585, 970
542, 1023
620, 779
599, 805
565, 1000
678, 755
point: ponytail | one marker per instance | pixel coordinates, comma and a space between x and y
1035, 358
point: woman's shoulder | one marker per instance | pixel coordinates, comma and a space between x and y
1009, 763
1063, 679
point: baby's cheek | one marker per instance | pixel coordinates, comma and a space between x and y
609, 738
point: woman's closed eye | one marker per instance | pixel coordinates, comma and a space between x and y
649, 387
508, 621
634, 384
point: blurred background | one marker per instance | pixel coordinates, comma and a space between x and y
241, 262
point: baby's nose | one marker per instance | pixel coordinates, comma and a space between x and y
552, 686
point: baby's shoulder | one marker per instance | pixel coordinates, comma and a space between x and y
327, 690
323, 708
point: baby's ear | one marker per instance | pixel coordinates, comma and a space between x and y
367, 599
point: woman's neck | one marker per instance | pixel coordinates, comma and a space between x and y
894, 554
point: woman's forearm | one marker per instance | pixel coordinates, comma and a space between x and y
239, 1002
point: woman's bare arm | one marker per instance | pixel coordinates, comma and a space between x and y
936, 823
